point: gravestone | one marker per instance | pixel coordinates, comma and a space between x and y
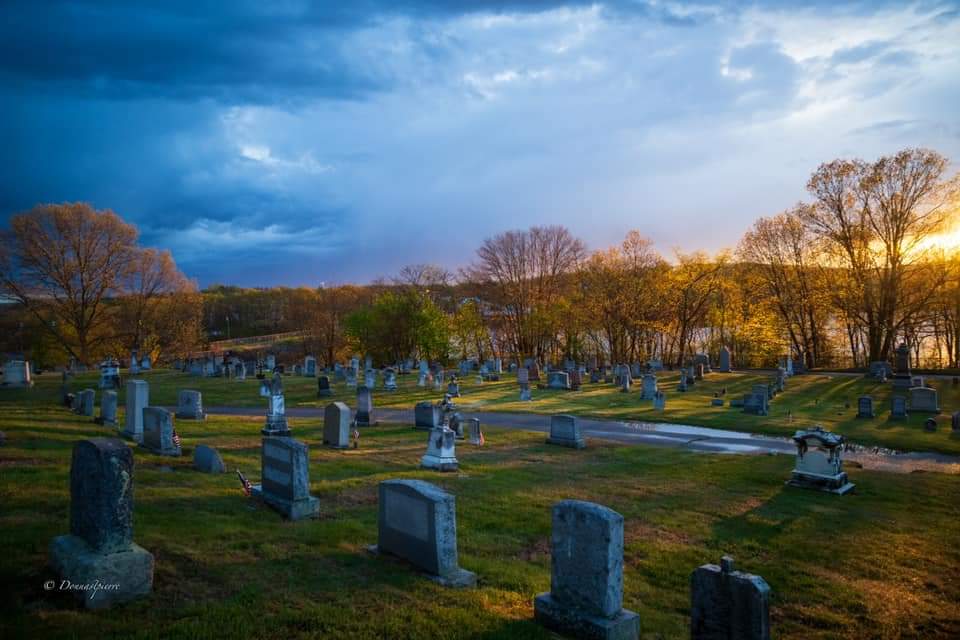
698, 371
726, 604
285, 483
418, 522
100, 547
190, 405
901, 366
930, 424
138, 397
880, 370
819, 463
523, 376
660, 401
649, 387
682, 385
426, 415
558, 380
691, 375
310, 366
110, 374
586, 583
208, 460
725, 360
441, 450
108, 408
534, 371
276, 424
525, 394
453, 389
390, 380
595, 376
350, 377
86, 400
565, 431
364, 417
757, 402
576, 380
16, 373
625, 379
336, 425
898, 407
924, 399
159, 436
370, 380
865, 407
473, 428
271, 362
636, 370
323, 387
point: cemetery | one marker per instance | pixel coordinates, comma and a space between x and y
500, 321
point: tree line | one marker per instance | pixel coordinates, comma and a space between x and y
836, 281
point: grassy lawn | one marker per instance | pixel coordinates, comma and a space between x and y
882, 563
811, 399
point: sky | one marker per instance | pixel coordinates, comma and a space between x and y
297, 143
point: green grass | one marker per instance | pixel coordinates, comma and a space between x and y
881, 563
811, 399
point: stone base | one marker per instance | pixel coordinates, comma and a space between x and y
563, 619
17, 385
134, 437
438, 463
364, 419
101, 580
459, 579
837, 484
108, 423
565, 442
309, 507
173, 453
278, 433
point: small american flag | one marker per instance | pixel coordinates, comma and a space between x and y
244, 484
176, 438
482, 440
356, 438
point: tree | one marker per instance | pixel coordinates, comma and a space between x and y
62, 262
150, 277
530, 272
398, 325
875, 219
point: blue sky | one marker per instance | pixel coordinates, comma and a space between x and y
298, 143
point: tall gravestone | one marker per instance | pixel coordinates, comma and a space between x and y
426, 415
138, 397
725, 360
276, 424
586, 583
819, 462
565, 431
190, 405
865, 407
364, 416
898, 407
99, 548
901, 364
441, 450
310, 366
285, 480
649, 387
323, 387
159, 436
108, 408
336, 425
87, 399
727, 604
418, 522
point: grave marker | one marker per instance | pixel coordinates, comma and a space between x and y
565, 432
138, 397
336, 425
285, 484
728, 604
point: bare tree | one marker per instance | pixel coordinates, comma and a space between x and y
61, 262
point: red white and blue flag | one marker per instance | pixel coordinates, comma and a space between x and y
244, 484
176, 438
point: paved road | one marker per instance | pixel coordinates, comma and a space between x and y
657, 434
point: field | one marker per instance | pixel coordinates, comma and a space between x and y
881, 563
808, 400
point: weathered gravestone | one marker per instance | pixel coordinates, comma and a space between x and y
725, 360
525, 394
727, 604
565, 431
534, 371
473, 428
364, 417
323, 387
698, 371
110, 374
625, 378
426, 415
336, 425
138, 397
86, 400
208, 460
523, 375
418, 522
576, 379
441, 450
285, 480
16, 373
660, 401
865, 407
880, 370
310, 366
99, 553
819, 463
276, 424
586, 583
453, 389
924, 399
390, 380
682, 385
898, 407
190, 405
271, 362
108, 408
370, 380
159, 435
649, 387
901, 366
558, 380
595, 376
757, 402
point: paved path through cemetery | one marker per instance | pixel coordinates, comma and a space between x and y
658, 434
